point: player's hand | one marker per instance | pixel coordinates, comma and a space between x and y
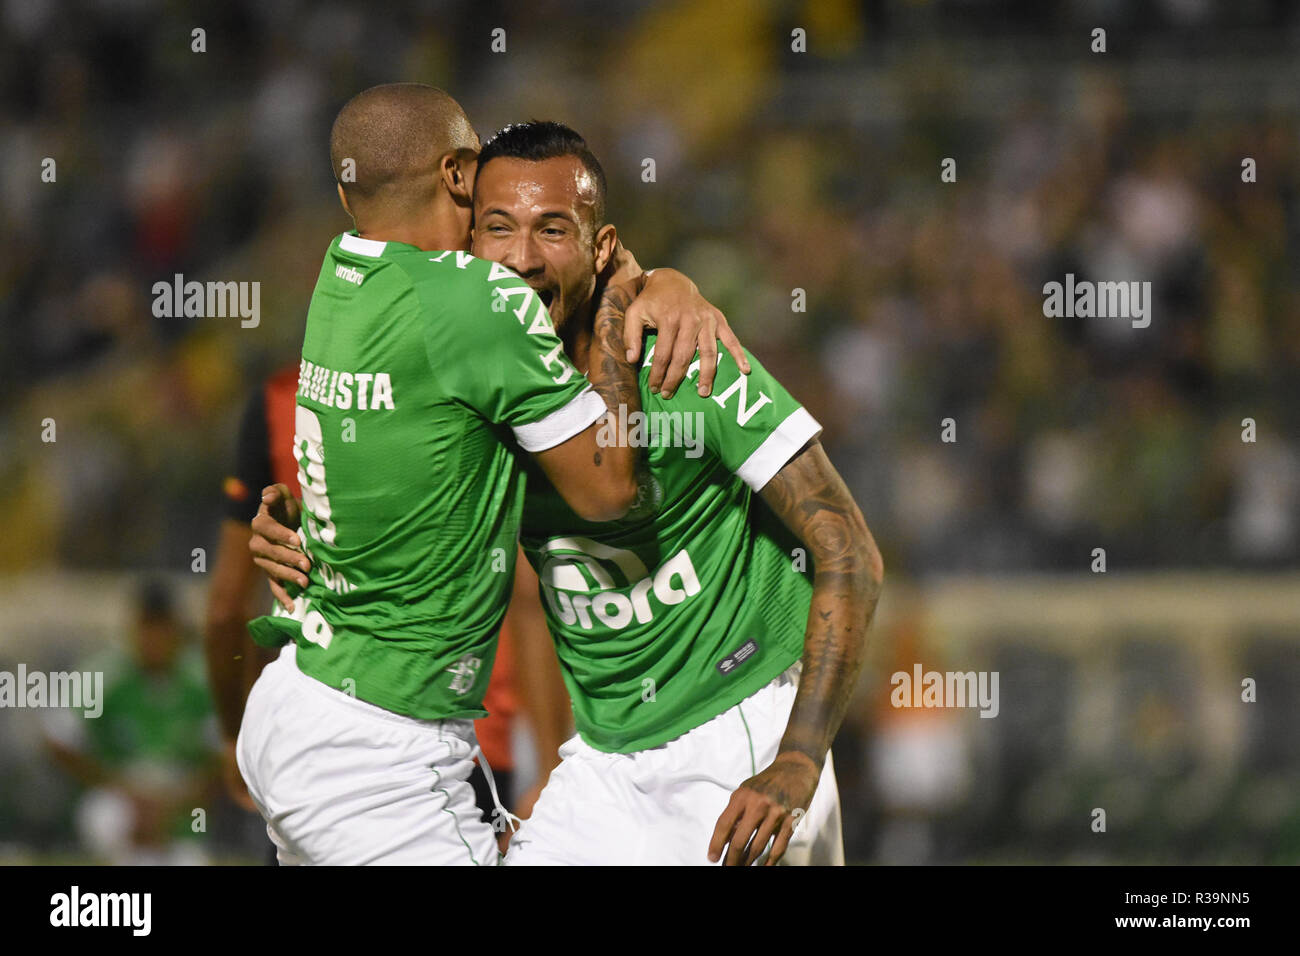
764, 806
276, 549
671, 304
233, 779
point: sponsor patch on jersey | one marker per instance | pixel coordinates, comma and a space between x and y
738, 657
464, 673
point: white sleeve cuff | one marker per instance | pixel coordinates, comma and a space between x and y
778, 448
562, 424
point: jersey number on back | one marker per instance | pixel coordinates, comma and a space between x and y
309, 450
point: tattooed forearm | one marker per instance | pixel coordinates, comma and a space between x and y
613, 378
811, 498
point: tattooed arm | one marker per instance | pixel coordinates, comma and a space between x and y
809, 495
606, 353
595, 471
607, 367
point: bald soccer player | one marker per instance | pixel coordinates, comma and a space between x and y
424, 372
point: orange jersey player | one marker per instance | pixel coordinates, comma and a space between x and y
263, 456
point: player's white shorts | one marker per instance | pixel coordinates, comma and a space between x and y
343, 782
659, 806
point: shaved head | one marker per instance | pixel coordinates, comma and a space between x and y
388, 142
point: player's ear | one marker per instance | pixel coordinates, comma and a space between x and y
343, 198
457, 169
606, 241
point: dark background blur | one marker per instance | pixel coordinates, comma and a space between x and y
775, 171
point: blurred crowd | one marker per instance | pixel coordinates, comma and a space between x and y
774, 171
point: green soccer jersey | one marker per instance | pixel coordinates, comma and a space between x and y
421, 371
663, 621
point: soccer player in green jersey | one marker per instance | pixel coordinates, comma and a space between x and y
425, 372
683, 627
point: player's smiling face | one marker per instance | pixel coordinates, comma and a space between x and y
538, 218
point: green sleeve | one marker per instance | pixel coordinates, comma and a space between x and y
491, 345
750, 421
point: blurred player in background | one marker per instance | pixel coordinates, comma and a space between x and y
150, 758
422, 375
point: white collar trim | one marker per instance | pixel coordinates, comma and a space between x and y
362, 247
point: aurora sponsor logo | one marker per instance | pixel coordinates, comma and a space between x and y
586, 582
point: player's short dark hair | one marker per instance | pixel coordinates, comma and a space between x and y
537, 140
